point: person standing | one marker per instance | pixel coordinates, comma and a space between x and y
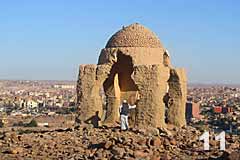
124, 112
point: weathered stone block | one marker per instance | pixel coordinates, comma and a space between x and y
177, 93
152, 84
89, 100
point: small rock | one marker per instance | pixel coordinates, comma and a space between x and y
141, 141
2, 135
16, 150
140, 154
234, 155
164, 131
173, 142
165, 157
213, 142
153, 131
155, 157
156, 142
108, 144
118, 151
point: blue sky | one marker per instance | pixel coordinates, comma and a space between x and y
49, 39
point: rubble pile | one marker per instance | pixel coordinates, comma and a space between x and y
110, 143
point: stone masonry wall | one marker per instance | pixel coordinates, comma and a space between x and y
177, 93
88, 96
152, 84
139, 55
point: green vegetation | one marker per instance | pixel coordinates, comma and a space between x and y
33, 123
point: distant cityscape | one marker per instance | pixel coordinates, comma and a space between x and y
214, 107
209, 107
34, 98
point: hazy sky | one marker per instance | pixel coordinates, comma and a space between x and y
49, 39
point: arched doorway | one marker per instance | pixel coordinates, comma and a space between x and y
119, 86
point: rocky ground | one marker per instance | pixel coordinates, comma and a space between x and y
85, 142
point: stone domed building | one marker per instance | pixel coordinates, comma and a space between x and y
134, 62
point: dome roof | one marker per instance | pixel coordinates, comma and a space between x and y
134, 35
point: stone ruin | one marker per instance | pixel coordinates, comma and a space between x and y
134, 62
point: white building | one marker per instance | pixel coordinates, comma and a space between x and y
64, 86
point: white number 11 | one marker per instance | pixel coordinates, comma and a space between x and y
205, 138
221, 138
